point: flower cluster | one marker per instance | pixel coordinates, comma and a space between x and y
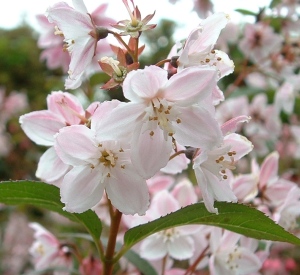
174, 140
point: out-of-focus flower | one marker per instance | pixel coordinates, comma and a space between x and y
228, 257
259, 42
48, 252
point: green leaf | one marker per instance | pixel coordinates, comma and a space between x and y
246, 12
274, 3
142, 265
235, 217
46, 196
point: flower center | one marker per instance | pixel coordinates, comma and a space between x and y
161, 114
108, 158
219, 160
169, 235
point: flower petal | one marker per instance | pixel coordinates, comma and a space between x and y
41, 126
141, 85
190, 85
150, 153
76, 145
50, 167
81, 189
128, 191
198, 128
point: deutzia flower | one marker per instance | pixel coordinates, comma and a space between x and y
99, 164
211, 167
81, 41
162, 110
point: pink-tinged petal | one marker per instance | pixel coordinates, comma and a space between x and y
198, 128
80, 6
269, 169
231, 125
224, 64
82, 188
150, 153
81, 56
128, 191
119, 124
211, 28
181, 248
184, 192
50, 167
159, 183
190, 85
245, 187
240, 144
143, 85
76, 145
277, 192
41, 126
153, 248
248, 262
164, 203
206, 191
217, 96
178, 164
229, 240
65, 105
220, 188
58, 13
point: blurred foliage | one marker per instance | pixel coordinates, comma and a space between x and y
21, 70
159, 42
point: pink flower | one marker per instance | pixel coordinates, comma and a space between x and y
81, 41
259, 41
199, 50
47, 251
210, 167
99, 164
177, 242
162, 109
64, 109
52, 46
228, 257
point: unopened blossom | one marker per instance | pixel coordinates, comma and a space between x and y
135, 25
80, 35
64, 109
48, 252
163, 109
99, 164
116, 69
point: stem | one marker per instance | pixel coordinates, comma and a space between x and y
192, 268
164, 262
177, 153
158, 64
110, 250
120, 39
136, 50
